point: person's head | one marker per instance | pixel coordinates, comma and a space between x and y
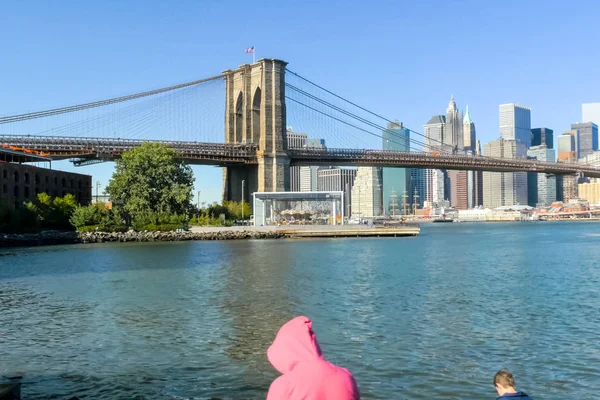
504, 382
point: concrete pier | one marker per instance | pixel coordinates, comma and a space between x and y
315, 231
348, 231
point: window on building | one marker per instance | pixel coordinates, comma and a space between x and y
72, 184
47, 180
79, 184
64, 193
16, 176
64, 182
16, 191
4, 189
5, 174
27, 177
37, 179
37, 191
55, 181
26, 192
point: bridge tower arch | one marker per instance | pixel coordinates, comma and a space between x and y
255, 112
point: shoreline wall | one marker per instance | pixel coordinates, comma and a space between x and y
49, 238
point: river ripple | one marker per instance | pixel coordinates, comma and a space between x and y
413, 318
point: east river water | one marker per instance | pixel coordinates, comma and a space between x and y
430, 317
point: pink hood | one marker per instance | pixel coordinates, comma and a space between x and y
295, 342
296, 354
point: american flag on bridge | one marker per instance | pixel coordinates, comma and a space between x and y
250, 50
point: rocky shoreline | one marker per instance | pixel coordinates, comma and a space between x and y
56, 238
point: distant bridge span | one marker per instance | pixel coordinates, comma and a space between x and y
390, 158
89, 150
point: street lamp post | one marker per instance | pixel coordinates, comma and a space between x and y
97, 187
243, 184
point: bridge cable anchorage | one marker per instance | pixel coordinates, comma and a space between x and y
339, 120
79, 107
363, 120
358, 106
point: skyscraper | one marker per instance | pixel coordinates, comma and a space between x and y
308, 175
542, 191
470, 137
479, 179
295, 140
366, 193
542, 137
418, 187
308, 178
337, 179
566, 185
435, 136
504, 188
568, 149
588, 137
459, 182
515, 123
472, 147
453, 134
396, 181
590, 112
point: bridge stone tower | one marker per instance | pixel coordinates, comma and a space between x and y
255, 113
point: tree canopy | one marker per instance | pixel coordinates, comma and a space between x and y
152, 179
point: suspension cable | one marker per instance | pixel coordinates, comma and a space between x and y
79, 107
356, 105
363, 120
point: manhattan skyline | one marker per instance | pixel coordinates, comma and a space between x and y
84, 52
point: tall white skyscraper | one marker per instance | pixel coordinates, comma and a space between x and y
590, 112
504, 188
470, 137
308, 179
454, 127
295, 140
308, 175
472, 147
515, 123
367, 193
435, 141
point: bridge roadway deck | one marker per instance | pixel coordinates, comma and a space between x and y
108, 149
390, 158
90, 149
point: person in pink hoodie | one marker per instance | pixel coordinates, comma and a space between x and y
295, 353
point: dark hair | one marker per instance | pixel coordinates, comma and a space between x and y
504, 378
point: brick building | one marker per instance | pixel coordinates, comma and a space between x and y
23, 182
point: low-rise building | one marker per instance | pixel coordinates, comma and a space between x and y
23, 182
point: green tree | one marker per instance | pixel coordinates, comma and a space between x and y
235, 208
89, 215
53, 214
97, 216
152, 179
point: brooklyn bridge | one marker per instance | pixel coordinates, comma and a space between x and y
258, 101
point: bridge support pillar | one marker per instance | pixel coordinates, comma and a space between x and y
232, 182
273, 173
256, 113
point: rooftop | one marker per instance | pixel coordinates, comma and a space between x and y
18, 155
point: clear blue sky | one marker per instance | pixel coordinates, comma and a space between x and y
401, 59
